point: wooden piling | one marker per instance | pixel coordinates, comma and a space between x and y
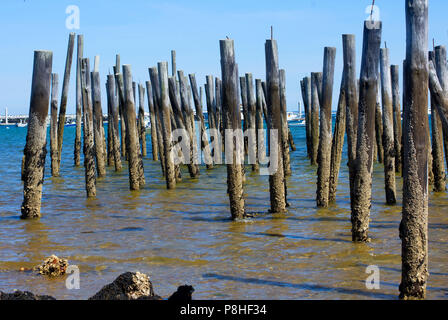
414, 224
199, 112
232, 121
64, 96
154, 75
77, 149
89, 148
54, 125
251, 126
368, 92
284, 130
188, 114
166, 125
152, 118
388, 127
439, 95
437, 142
36, 139
338, 141
379, 131
244, 102
325, 135
113, 123
121, 109
141, 119
305, 85
351, 92
395, 78
110, 142
261, 147
315, 107
97, 125
442, 73
276, 179
132, 144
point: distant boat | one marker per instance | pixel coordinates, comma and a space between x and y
70, 123
293, 116
21, 124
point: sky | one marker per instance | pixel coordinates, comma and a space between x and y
144, 32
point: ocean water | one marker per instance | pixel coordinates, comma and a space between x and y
185, 236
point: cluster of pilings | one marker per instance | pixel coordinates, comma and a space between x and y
368, 113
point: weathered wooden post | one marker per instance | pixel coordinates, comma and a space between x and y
437, 142
276, 179
351, 92
218, 105
251, 125
113, 122
152, 118
166, 125
141, 119
54, 125
232, 122
368, 92
261, 147
338, 142
110, 117
284, 131
306, 97
199, 112
89, 148
315, 107
414, 223
188, 114
210, 100
325, 137
388, 127
395, 78
173, 63
77, 151
132, 144
379, 131
440, 96
36, 139
442, 73
65, 86
97, 125
154, 75
243, 93
121, 109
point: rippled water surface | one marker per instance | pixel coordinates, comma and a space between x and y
185, 235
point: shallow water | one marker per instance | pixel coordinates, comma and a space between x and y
185, 235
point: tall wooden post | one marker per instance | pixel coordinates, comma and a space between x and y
141, 119
395, 78
77, 150
54, 125
154, 75
368, 92
276, 180
36, 139
305, 85
388, 128
251, 112
89, 148
152, 118
121, 109
166, 125
379, 131
414, 223
97, 125
200, 113
65, 86
244, 102
338, 141
232, 121
325, 137
261, 146
442, 73
132, 145
351, 91
315, 107
284, 131
113, 123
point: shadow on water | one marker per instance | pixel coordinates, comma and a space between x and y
302, 286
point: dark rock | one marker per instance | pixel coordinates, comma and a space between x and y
23, 295
128, 286
183, 294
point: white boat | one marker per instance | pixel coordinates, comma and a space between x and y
21, 124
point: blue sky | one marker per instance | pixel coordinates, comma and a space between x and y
144, 32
